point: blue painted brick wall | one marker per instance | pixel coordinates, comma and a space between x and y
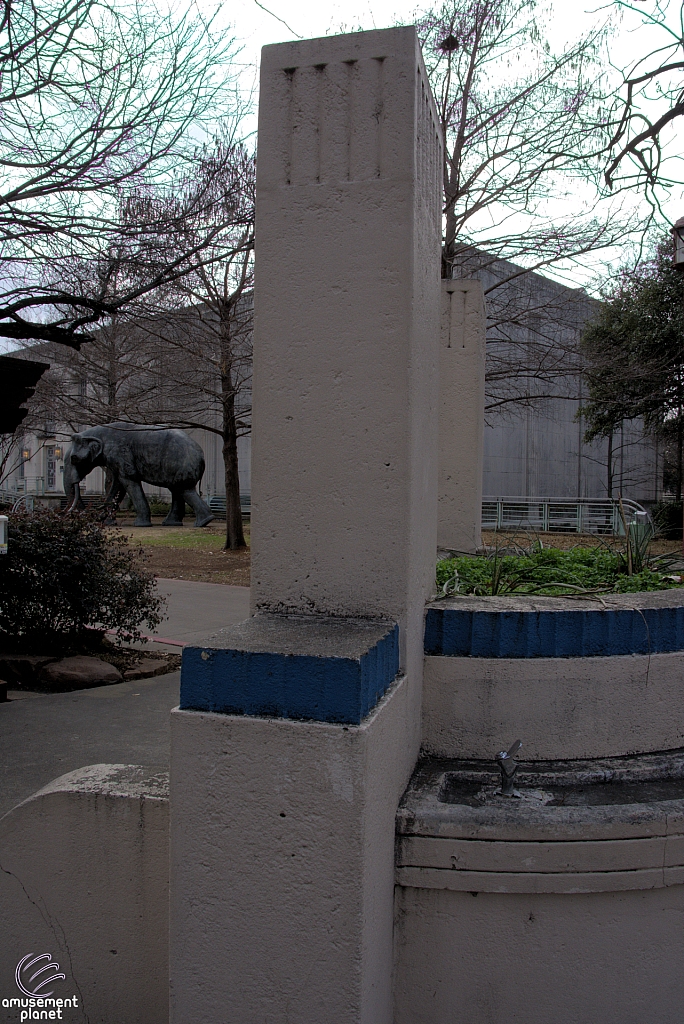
276, 685
553, 634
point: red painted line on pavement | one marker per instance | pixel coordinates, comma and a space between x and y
157, 639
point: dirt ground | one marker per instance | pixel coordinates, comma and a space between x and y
185, 553
565, 541
188, 554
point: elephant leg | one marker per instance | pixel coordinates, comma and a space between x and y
112, 500
202, 511
137, 496
175, 516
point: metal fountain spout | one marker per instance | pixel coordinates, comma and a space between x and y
508, 767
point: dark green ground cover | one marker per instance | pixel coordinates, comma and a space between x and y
554, 572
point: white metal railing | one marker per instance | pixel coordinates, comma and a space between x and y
217, 504
561, 515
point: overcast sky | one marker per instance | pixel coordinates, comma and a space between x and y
255, 24
282, 20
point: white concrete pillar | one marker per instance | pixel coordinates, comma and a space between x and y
461, 415
344, 353
298, 730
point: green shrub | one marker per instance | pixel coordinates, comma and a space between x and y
553, 572
63, 575
159, 507
162, 508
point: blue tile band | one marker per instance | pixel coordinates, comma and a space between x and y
279, 666
567, 633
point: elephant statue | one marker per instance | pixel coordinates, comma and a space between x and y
133, 453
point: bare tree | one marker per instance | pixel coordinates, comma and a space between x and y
516, 117
212, 327
97, 98
650, 99
182, 354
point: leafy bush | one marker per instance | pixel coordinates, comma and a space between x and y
65, 574
159, 507
162, 508
553, 572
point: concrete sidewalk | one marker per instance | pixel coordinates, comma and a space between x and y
196, 610
43, 736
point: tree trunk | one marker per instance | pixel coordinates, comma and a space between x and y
610, 465
235, 537
449, 247
679, 456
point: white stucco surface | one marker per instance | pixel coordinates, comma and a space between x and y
461, 414
559, 707
282, 870
84, 877
347, 292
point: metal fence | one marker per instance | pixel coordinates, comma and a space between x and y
217, 504
560, 515
554, 515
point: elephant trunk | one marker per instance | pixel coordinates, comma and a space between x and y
72, 485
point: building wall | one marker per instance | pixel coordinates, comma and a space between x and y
533, 441
539, 452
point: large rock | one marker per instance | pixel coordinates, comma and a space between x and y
22, 669
78, 673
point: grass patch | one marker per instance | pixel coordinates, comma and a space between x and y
183, 538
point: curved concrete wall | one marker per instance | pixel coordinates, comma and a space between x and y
480, 957
520, 910
570, 681
84, 877
559, 707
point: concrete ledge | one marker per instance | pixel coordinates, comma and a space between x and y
615, 865
520, 627
285, 666
531, 882
84, 877
559, 707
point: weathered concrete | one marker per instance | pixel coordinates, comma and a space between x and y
480, 957
344, 459
282, 831
84, 877
559, 707
518, 910
461, 415
282, 866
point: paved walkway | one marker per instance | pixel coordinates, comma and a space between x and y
196, 610
44, 736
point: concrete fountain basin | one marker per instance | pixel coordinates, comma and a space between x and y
574, 826
574, 678
598, 783
498, 898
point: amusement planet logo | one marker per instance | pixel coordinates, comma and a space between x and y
38, 1004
